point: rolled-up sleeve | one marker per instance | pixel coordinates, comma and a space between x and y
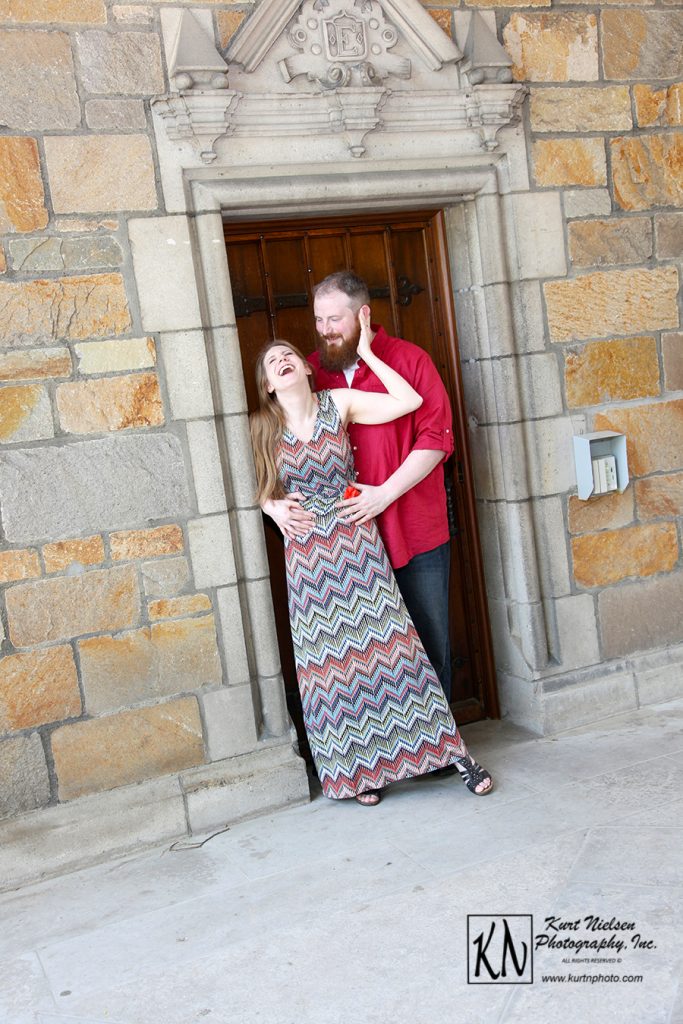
433, 421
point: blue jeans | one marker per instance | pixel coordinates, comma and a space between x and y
423, 582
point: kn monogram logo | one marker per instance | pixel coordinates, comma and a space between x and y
500, 949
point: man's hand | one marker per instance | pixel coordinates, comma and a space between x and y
292, 520
365, 506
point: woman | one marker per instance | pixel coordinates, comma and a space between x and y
373, 708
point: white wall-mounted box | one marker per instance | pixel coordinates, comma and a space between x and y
589, 452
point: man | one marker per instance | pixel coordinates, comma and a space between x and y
400, 476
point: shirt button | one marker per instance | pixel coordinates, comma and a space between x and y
355, 447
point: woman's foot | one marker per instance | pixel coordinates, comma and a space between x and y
476, 778
370, 798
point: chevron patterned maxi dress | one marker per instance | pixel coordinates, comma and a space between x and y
373, 707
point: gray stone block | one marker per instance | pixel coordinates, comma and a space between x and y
123, 62
183, 358
25, 782
115, 113
166, 577
243, 786
230, 721
587, 202
207, 471
211, 553
240, 462
572, 706
89, 252
89, 486
641, 616
165, 273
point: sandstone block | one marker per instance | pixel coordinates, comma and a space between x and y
176, 607
81, 179
604, 242
229, 21
605, 371
553, 47
22, 200
672, 357
127, 63
641, 616
37, 81
647, 171
150, 663
601, 559
53, 11
64, 553
127, 14
86, 223
60, 608
642, 44
659, 496
25, 781
106, 484
587, 202
659, 107
581, 109
37, 255
603, 512
165, 578
654, 435
163, 540
111, 356
122, 749
443, 16
110, 403
569, 162
3, 261
21, 564
669, 235
615, 302
508, 3
115, 114
70, 308
38, 687
25, 413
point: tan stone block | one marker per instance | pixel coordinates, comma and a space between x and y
648, 171
127, 14
61, 554
654, 435
150, 663
21, 564
27, 364
53, 12
86, 223
119, 750
508, 3
62, 608
37, 81
581, 109
22, 199
38, 687
228, 22
641, 616
669, 235
602, 512
595, 243
659, 496
660, 107
443, 16
642, 44
112, 356
110, 403
570, 162
70, 308
23, 413
81, 179
163, 540
553, 47
672, 358
601, 559
3, 261
612, 302
606, 371
176, 607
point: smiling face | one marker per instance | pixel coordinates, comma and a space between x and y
336, 321
280, 367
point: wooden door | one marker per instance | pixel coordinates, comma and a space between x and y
403, 258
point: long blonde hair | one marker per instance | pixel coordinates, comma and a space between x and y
267, 425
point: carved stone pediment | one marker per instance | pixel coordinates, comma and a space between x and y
334, 67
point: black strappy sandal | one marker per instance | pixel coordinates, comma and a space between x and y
472, 774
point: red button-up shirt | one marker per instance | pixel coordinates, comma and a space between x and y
417, 521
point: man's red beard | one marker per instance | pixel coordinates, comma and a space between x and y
339, 356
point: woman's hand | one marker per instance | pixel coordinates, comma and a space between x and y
365, 340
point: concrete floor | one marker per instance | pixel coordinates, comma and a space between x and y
333, 913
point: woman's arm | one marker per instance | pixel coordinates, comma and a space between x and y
367, 406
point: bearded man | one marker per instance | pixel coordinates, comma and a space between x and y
399, 464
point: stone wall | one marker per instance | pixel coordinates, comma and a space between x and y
114, 667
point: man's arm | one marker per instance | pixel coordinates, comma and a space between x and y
288, 514
373, 500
